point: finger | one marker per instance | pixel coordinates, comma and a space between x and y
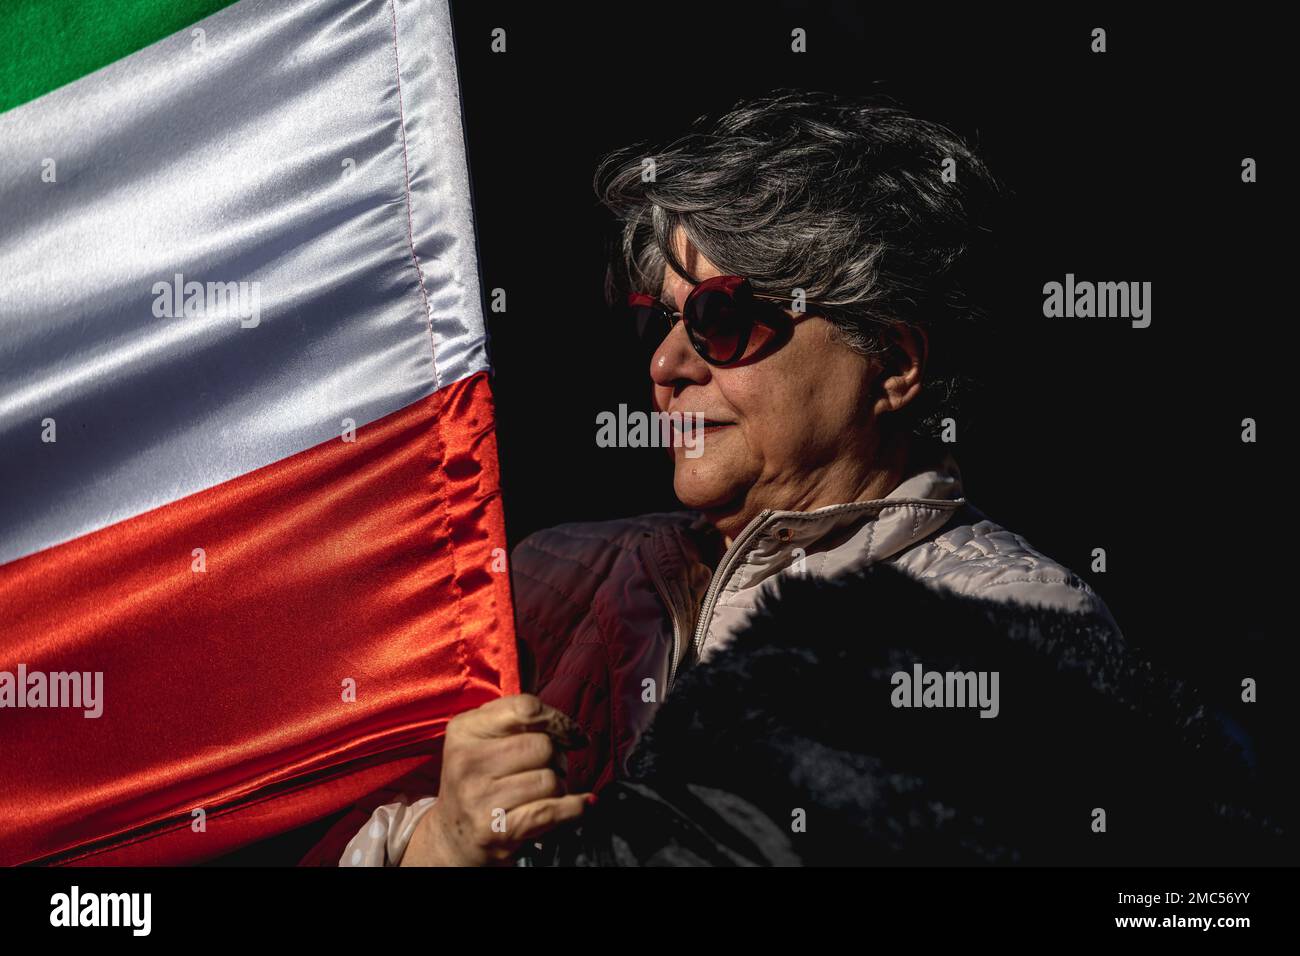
560, 764
500, 758
524, 713
521, 789
532, 820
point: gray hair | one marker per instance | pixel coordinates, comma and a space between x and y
840, 197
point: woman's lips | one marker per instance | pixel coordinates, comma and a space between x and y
689, 421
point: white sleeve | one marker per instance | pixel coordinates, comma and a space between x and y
383, 840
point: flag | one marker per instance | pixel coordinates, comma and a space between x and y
251, 538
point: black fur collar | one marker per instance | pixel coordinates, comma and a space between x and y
787, 747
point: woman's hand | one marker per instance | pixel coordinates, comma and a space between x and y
501, 786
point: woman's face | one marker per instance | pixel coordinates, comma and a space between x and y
794, 430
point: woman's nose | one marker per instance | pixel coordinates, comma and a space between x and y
675, 360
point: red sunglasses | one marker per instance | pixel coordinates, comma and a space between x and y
727, 322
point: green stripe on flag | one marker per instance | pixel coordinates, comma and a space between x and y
47, 43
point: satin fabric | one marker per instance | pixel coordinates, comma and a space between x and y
313, 148
374, 561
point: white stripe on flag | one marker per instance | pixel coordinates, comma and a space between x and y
274, 158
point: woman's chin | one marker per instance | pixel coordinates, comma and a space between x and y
700, 490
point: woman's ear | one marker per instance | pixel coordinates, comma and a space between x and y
902, 367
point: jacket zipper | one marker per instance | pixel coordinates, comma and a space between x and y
662, 587
724, 570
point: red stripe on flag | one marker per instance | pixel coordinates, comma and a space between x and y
223, 689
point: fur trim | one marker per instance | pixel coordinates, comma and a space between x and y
798, 718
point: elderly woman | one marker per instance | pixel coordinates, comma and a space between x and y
802, 268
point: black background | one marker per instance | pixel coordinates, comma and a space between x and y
1123, 166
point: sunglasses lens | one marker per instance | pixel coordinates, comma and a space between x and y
765, 326
650, 320
720, 322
